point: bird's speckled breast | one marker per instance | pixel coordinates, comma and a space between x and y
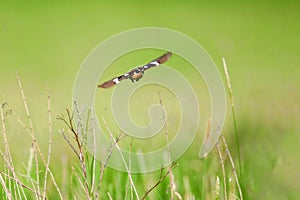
137, 75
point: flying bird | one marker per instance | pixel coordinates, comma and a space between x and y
137, 73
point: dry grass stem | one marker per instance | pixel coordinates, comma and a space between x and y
109, 196
8, 162
223, 169
7, 192
160, 180
123, 159
233, 115
94, 153
66, 138
217, 190
49, 143
16, 180
69, 123
112, 145
82, 184
35, 147
32, 151
80, 154
10, 170
5, 141
233, 166
235, 130
129, 165
173, 187
37, 172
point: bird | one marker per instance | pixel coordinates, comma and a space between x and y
137, 73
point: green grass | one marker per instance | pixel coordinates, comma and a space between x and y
80, 178
47, 42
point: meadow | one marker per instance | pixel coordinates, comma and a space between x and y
46, 43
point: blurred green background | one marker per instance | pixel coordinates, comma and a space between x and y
47, 42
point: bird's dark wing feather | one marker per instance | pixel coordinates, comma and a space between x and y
113, 81
162, 59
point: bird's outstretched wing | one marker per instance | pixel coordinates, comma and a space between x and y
131, 73
162, 59
113, 81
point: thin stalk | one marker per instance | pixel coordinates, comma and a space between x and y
160, 180
94, 153
233, 167
35, 144
223, 169
233, 115
7, 193
49, 144
32, 151
172, 178
123, 159
7, 155
22, 184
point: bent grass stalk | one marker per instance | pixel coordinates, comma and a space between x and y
172, 178
105, 164
123, 159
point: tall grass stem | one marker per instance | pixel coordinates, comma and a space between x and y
233, 115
